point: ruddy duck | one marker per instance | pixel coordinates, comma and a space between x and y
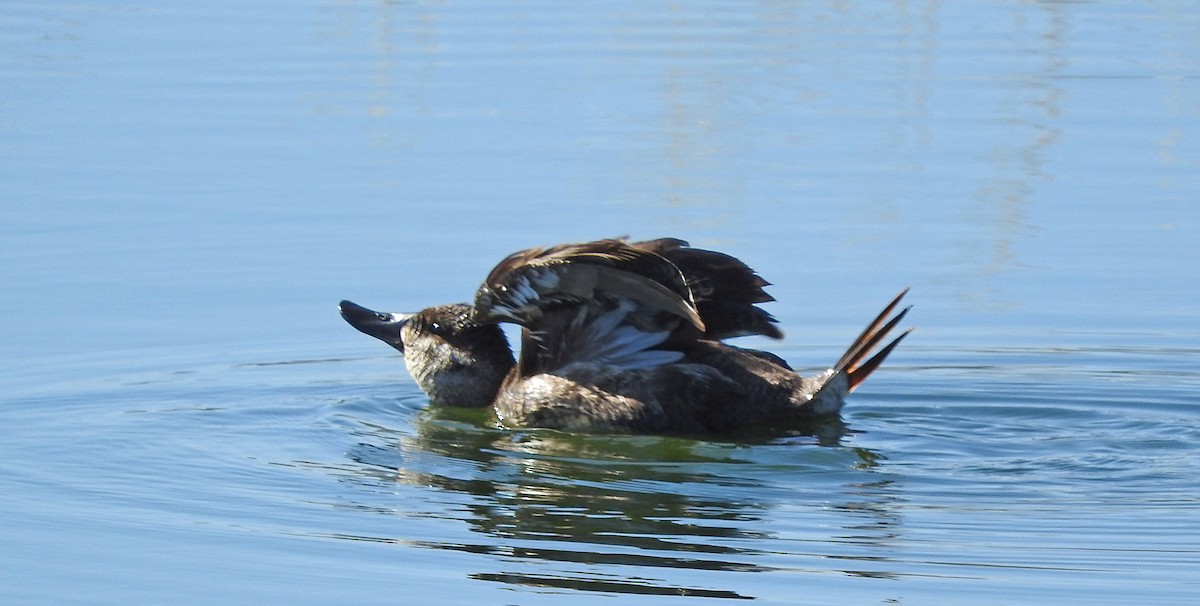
620, 336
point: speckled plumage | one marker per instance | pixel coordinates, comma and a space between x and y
619, 336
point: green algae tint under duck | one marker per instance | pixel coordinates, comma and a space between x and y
620, 336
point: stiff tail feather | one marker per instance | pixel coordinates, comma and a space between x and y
852, 364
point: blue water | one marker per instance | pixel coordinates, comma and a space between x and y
188, 188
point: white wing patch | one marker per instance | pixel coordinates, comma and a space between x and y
523, 291
605, 339
546, 279
522, 295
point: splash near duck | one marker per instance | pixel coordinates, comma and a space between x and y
620, 336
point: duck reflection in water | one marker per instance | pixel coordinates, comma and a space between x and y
626, 514
620, 336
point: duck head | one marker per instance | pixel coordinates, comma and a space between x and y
455, 360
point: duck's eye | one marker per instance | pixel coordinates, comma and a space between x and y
436, 327
502, 288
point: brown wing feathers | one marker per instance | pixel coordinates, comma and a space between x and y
716, 292
719, 293
522, 286
725, 289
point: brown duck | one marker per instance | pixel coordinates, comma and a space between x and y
620, 336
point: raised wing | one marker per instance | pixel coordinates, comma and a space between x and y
532, 283
725, 289
623, 304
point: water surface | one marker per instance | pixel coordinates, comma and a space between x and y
187, 190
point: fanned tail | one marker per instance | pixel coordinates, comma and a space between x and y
829, 389
852, 364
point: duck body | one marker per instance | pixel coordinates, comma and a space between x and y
619, 336
717, 388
